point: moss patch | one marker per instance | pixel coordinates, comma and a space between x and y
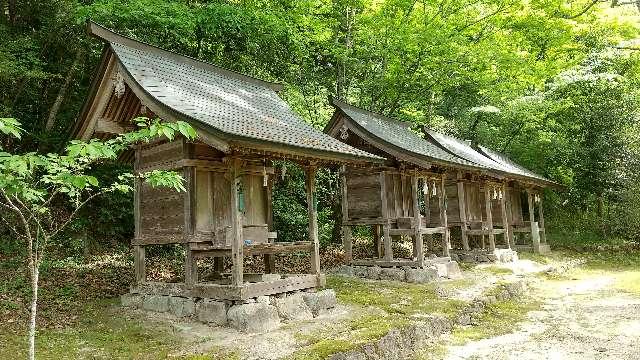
101, 332
497, 319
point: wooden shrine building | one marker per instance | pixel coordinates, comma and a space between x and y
242, 125
415, 192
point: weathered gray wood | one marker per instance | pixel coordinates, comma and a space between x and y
218, 264
203, 290
269, 263
377, 244
137, 196
190, 267
139, 264
388, 252
442, 203
346, 230
236, 224
418, 244
505, 218
543, 233
313, 219
462, 210
489, 221
189, 174
288, 284
509, 206
535, 234
386, 263
370, 221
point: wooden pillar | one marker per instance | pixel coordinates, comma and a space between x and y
487, 202
190, 266
139, 264
269, 259
463, 211
418, 247
218, 264
139, 261
237, 242
511, 236
388, 252
346, 230
442, 203
377, 244
535, 233
427, 212
313, 219
543, 232
505, 219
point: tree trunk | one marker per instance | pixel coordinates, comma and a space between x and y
32, 318
53, 112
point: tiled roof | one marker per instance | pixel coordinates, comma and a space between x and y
236, 105
399, 134
510, 165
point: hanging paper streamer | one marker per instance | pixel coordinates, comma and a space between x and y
265, 177
433, 189
284, 171
500, 194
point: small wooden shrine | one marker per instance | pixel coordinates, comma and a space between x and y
416, 191
242, 126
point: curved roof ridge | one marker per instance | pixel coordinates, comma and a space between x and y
339, 103
111, 36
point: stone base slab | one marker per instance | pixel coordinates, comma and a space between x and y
437, 269
485, 256
254, 315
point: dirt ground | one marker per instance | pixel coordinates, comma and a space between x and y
581, 318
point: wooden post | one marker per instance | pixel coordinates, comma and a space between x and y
139, 264
269, 259
442, 202
543, 232
512, 242
535, 233
346, 230
190, 266
139, 261
377, 244
505, 218
313, 219
237, 243
487, 202
463, 212
388, 252
218, 264
417, 237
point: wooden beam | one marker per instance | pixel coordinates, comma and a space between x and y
236, 225
313, 219
505, 219
487, 202
346, 230
112, 127
535, 233
190, 266
442, 204
139, 264
543, 233
463, 211
388, 252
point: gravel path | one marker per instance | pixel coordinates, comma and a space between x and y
580, 319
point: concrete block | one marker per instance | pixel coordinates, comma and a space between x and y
320, 301
180, 306
156, 303
131, 300
212, 312
293, 308
453, 270
392, 274
253, 318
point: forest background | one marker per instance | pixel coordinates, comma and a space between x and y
552, 83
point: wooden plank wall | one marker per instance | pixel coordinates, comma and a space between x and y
161, 209
399, 196
363, 195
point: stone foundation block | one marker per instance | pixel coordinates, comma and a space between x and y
211, 311
421, 276
320, 301
156, 303
373, 272
180, 306
360, 271
253, 318
344, 270
293, 308
271, 277
392, 274
264, 299
441, 269
131, 300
